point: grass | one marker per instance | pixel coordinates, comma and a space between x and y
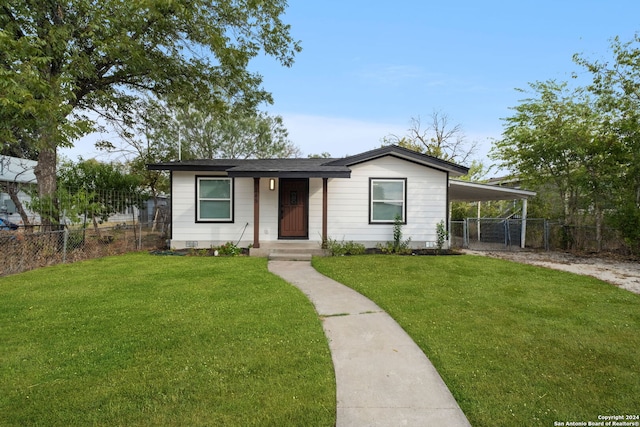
516, 344
141, 340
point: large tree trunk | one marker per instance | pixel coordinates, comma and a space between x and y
45, 172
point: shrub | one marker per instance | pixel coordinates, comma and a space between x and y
398, 246
229, 249
353, 248
338, 248
442, 235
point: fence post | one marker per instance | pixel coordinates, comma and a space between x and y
465, 234
523, 227
546, 235
65, 241
507, 234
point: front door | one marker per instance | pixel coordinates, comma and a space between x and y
294, 209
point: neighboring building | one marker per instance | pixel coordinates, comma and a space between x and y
263, 202
20, 172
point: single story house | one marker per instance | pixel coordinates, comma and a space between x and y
268, 202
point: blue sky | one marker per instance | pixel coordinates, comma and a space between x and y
368, 67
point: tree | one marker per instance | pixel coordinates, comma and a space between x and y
559, 137
172, 132
206, 132
97, 190
584, 143
616, 84
439, 139
323, 155
61, 59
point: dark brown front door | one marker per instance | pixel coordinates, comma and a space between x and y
294, 209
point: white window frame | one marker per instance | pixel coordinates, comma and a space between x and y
199, 199
403, 200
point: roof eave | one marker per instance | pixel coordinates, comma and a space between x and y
290, 174
187, 167
404, 154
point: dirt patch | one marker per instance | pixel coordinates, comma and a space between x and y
622, 273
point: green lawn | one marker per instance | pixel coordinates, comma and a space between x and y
141, 340
516, 344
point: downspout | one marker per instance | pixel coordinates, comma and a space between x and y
325, 189
256, 213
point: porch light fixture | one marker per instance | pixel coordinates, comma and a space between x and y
272, 184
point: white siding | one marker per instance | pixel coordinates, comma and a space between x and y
348, 207
186, 232
268, 211
315, 210
348, 216
205, 234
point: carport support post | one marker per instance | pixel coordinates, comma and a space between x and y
479, 207
256, 213
523, 229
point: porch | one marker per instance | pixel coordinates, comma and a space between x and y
288, 250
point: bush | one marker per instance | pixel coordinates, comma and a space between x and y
398, 246
229, 249
337, 248
442, 235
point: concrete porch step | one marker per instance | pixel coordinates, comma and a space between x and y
291, 252
283, 256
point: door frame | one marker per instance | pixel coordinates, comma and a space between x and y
305, 211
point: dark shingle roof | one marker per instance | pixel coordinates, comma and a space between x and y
306, 168
403, 153
283, 168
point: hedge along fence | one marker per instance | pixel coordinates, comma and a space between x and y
22, 251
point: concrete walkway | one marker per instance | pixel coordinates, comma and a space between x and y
382, 376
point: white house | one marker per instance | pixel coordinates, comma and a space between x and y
263, 202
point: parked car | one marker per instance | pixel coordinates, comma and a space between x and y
7, 225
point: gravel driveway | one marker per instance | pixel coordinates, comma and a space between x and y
625, 274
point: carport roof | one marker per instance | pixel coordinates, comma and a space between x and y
464, 191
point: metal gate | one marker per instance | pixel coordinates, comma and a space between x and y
499, 233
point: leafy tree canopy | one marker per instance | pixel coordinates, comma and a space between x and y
60, 59
583, 142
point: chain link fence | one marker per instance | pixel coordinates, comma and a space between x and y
24, 250
79, 224
500, 234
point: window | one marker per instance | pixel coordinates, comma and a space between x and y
388, 199
215, 199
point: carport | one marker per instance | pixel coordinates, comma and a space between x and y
464, 191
